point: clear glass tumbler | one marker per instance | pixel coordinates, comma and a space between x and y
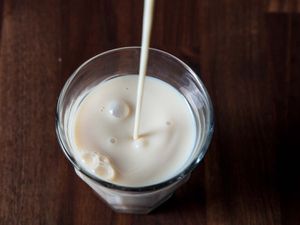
124, 61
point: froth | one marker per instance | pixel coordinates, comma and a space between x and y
99, 164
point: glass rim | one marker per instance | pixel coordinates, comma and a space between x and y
153, 187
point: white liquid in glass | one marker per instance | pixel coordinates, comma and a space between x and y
101, 130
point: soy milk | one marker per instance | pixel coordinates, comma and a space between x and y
102, 132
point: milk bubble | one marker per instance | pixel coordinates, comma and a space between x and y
113, 140
90, 158
118, 109
99, 163
104, 168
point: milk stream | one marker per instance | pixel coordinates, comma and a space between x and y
147, 24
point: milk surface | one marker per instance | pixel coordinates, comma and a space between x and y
101, 129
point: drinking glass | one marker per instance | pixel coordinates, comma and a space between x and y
120, 62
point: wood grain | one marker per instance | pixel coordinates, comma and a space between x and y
247, 54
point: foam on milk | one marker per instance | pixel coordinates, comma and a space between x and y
101, 129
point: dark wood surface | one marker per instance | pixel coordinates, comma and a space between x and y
248, 54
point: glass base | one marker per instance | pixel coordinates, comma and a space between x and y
132, 202
138, 210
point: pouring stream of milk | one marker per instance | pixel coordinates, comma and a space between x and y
147, 24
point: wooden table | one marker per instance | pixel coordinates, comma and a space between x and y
248, 56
